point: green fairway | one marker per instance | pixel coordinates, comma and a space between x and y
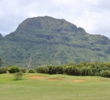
54, 87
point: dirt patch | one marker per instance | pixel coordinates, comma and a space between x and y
78, 81
36, 77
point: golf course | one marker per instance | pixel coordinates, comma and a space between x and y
35, 86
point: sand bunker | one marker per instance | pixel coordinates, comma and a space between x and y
36, 77
54, 79
78, 80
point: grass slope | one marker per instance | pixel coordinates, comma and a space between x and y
93, 88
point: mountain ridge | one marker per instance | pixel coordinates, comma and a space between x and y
47, 40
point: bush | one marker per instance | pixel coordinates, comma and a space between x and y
50, 69
31, 71
42, 69
59, 70
72, 70
105, 73
3, 70
86, 71
18, 75
13, 69
24, 70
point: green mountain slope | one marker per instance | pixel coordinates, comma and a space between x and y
46, 40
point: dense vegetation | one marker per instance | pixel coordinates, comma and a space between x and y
80, 69
46, 40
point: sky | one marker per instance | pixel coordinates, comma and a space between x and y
92, 15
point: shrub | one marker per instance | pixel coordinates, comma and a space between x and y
50, 69
24, 70
54, 69
67, 70
42, 69
86, 71
31, 71
105, 73
59, 70
72, 70
13, 69
18, 75
3, 70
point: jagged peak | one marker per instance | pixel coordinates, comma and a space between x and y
46, 21
81, 29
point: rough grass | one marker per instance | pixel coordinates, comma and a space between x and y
54, 87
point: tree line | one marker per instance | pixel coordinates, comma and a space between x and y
79, 69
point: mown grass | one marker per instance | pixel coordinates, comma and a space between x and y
93, 88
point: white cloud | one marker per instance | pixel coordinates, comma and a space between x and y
92, 15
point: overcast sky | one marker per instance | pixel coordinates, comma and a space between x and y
92, 15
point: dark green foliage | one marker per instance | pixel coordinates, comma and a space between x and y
47, 40
50, 69
23, 70
59, 70
72, 70
86, 71
80, 69
42, 69
13, 69
31, 71
18, 75
3, 70
105, 73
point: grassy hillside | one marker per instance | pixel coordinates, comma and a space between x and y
54, 87
46, 40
